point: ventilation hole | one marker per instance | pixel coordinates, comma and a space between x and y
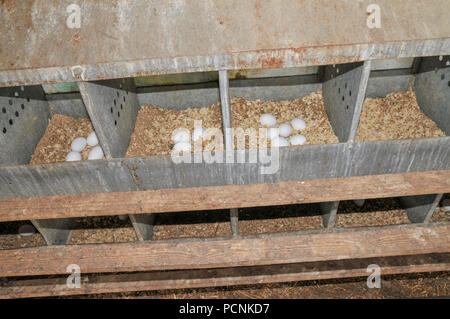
115, 123
442, 76
339, 90
343, 98
28, 99
115, 102
448, 83
127, 92
345, 85
22, 106
118, 114
3, 110
121, 106
347, 106
10, 102
117, 93
124, 98
4, 130
350, 93
17, 114
11, 122
112, 111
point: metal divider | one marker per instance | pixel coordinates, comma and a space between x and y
24, 116
224, 87
113, 107
344, 88
432, 88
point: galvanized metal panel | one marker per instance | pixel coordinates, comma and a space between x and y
381, 85
65, 178
70, 104
112, 106
208, 35
158, 172
344, 90
24, 115
432, 87
419, 209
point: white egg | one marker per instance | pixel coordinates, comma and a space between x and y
446, 204
92, 139
273, 132
359, 202
279, 142
298, 124
182, 146
181, 135
78, 144
73, 157
198, 133
26, 230
297, 139
268, 120
95, 153
285, 130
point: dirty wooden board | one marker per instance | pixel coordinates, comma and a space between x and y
222, 197
160, 280
216, 253
208, 35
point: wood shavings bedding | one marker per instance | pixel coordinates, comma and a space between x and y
397, 116
55, 144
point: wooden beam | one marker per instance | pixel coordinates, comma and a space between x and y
157, 280
222, 197
217, 253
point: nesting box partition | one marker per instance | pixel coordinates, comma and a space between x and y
24, 117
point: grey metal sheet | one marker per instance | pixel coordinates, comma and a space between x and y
432, 87
158, 172
70, 104
204, 94
344, 90
419, 209
24, 115
131, 38
380, 86
112, 106
65, 178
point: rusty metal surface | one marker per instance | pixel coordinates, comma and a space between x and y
125, 39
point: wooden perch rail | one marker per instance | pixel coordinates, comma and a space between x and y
222, 197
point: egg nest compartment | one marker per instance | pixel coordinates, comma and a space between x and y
246, 114
56, 142
397, 116
154, 125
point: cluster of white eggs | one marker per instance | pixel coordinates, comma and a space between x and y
281, 136
78, 145
182, 138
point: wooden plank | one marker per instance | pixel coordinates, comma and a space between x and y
217, 253
222, 197
146, 281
